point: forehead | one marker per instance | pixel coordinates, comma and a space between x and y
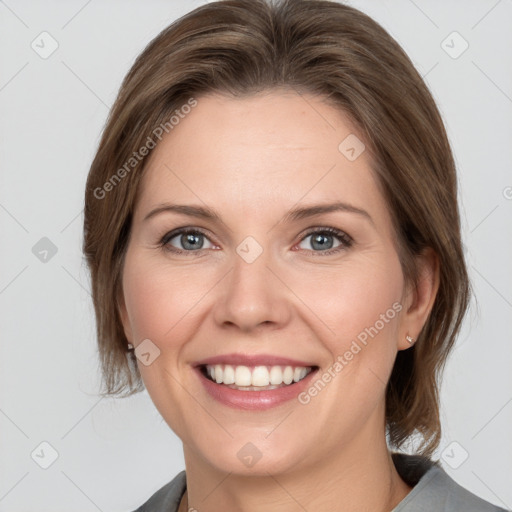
260, 150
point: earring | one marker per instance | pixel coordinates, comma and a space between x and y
129, 347
410, 339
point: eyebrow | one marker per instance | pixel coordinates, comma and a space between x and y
295, 214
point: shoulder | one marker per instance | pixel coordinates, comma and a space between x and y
436, 490
168, 497
454, 497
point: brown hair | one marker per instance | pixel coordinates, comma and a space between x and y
241, 47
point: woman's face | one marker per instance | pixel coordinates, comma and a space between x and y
262, 286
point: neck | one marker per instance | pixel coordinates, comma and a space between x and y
361, 476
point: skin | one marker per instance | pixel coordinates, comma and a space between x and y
254, 159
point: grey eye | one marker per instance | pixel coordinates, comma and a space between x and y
321, 240
188, 241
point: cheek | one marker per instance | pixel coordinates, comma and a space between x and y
158, 297
353, 297
160, 304
360, 302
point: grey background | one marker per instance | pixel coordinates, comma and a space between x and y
112, 454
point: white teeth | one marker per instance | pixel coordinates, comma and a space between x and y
276, 375
288, 375
260, 376
218, 374
229, 375
242, 376
298, 374
257, 376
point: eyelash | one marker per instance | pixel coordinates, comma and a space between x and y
346, 240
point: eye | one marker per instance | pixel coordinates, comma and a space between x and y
188, 240
323, 239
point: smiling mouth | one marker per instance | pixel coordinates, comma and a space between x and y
255, 378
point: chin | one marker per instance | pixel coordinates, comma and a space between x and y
259, 457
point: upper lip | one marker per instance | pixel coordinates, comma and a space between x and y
252, 360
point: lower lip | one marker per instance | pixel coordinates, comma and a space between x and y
254, 400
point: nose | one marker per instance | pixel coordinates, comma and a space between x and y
251, 296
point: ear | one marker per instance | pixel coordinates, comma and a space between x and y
123, 313
419, 299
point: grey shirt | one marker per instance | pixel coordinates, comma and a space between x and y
433, 490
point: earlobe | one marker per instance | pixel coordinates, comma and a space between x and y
410, 339
421, 300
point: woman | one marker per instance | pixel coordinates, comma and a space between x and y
272, 230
